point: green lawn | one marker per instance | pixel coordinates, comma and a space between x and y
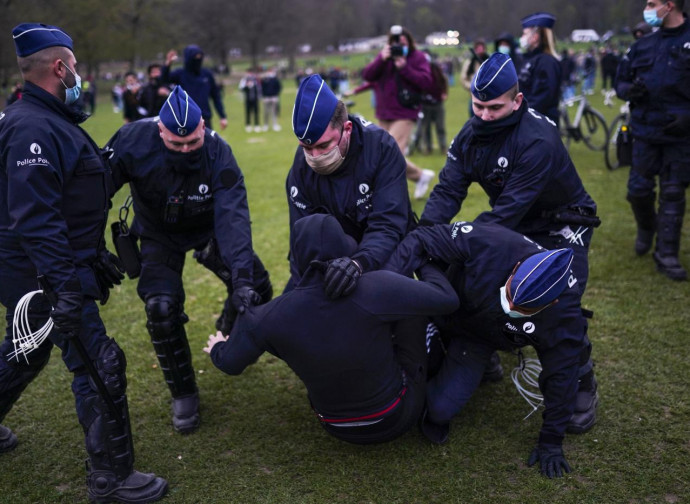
260, 442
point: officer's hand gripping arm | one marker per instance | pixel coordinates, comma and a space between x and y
341, 277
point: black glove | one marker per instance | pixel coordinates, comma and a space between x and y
66, 313
109, 272
244, 297
680, 126
341, 277
551, 459
637, 92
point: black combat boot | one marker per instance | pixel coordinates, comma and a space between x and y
586, 402
8, 441
645, 216
670, 222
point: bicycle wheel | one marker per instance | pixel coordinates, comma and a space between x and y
595, 132
611, 151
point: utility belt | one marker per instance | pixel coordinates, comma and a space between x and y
370, 418
582, 216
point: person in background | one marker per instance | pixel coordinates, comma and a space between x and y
250, 87
155, 92
478, 55
270, 98
198, 81
653, 77
132, 109
401, 74
540, 74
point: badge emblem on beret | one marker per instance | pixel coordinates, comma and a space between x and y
182, 131
481, 96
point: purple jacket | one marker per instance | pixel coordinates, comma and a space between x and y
416, 75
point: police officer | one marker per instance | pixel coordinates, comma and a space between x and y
512, 293
540, 73
518, 158
349, 168
362, 358
653, 77
188, 194
54, 201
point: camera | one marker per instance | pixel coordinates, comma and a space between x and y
397, 50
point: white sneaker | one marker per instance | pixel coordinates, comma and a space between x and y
276, 127
248, 129
257, 129
264, 127
422, 185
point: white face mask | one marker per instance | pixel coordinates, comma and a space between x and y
328, 162
505, 304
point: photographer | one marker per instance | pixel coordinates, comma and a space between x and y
401, 75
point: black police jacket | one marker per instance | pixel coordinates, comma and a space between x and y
540, 81
522, 165
661, 63
341, 349
482, 257
54, 191
367, 194
183, 205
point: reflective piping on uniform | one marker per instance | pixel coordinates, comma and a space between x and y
35, 29
186, 110
565, 272
316, 100
492, 79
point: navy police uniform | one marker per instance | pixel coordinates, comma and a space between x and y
482, 257
532, 184
367, 194
55, 192
653, 76
540, 82
184, 202
362, 358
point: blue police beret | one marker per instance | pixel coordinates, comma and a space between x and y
314, 107
543, 19
32, 37
180, 114
496, 76
541, 278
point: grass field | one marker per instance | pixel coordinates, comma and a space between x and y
260, 442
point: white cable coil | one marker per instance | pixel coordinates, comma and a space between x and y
526, 379
25, 341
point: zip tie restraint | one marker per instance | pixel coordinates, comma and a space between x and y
25, 341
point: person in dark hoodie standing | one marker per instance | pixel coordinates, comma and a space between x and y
197, 81
505, 44
362, 358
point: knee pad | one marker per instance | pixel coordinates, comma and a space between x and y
164, 315
111, 365
672, 192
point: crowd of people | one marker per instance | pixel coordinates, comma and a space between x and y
379, 351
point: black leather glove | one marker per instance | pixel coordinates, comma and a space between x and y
638, 92
109, 272
551, 459
680, 126
244, 297
66, 313
341, 277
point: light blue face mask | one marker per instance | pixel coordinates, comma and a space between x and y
504, 49
651, 18
72, 93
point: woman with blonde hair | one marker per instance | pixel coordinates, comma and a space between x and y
540, 74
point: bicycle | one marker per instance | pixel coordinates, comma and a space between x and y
619, 126
587, 124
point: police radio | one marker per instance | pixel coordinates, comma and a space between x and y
173, 208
